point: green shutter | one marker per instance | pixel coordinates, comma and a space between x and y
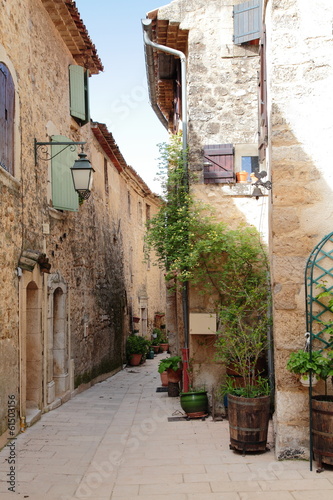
247, 21
78, 81
64, 196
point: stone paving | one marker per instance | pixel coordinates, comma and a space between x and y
115, 442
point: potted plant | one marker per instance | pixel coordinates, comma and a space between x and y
241, 344
308, 364
171, 366
194, 403
136, 348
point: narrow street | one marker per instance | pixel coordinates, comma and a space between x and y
114, 441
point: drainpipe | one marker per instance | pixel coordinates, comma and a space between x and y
147, 29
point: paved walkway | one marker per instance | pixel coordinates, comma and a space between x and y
114, 441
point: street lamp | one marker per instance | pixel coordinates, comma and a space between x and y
81, 174
81, 170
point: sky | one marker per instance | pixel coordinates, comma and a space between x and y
119, 96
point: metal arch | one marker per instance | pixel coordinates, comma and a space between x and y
319, 269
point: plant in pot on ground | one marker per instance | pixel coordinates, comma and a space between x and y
136, 349
171, 366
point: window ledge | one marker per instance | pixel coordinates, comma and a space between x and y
238, 190
56, 214
9, 181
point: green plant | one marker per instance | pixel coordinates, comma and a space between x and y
136, 344
231, 265
260, 388
159, 337
172, 362
303, 362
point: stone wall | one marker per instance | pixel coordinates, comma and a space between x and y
300, 76
70, 324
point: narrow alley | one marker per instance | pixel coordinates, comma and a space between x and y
121, 440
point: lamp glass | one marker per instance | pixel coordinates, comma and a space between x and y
81, 173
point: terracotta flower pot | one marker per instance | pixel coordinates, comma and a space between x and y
164, 347
164, 379
241, 176
135, 359
174, 376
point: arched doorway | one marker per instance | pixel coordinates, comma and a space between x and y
60, 343
34, 360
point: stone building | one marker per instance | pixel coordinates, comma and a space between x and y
300, 126
269, 95
73, 273
222, 131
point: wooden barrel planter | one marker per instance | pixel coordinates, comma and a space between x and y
322, 429
248, 422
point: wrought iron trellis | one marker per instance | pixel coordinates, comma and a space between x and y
318, 272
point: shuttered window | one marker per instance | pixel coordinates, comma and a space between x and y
219, 164
7, 109
247, 21
79, 93
263, 119
64, 196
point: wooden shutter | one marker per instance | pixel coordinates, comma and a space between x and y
64, 196
79, 93
7, 110
219, 164
263, 118
247, 21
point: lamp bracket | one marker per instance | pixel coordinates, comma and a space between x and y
42, 149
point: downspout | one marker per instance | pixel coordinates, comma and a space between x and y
147, 30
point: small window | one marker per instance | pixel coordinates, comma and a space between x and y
79, 94
140, 213
147, 212
7, 109
106, 177
129, 207
247, 22
219, 164
250, 164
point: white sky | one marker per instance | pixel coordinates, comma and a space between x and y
119, 95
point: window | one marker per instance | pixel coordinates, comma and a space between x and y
219, 164
106, 177
129, 207
7, 109
250, 164
247, 22
79, 93
262, 87
147, 212
64, 196
140, 213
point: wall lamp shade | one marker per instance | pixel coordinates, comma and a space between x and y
82, 176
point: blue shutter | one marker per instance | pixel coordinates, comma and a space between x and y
64, 196
247, 21
79, 93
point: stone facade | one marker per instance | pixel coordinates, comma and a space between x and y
300, 76
62, 329
222, 102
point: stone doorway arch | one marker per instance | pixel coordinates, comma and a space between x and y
58, 339
33, 350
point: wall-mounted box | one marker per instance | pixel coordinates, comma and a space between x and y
202, 324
